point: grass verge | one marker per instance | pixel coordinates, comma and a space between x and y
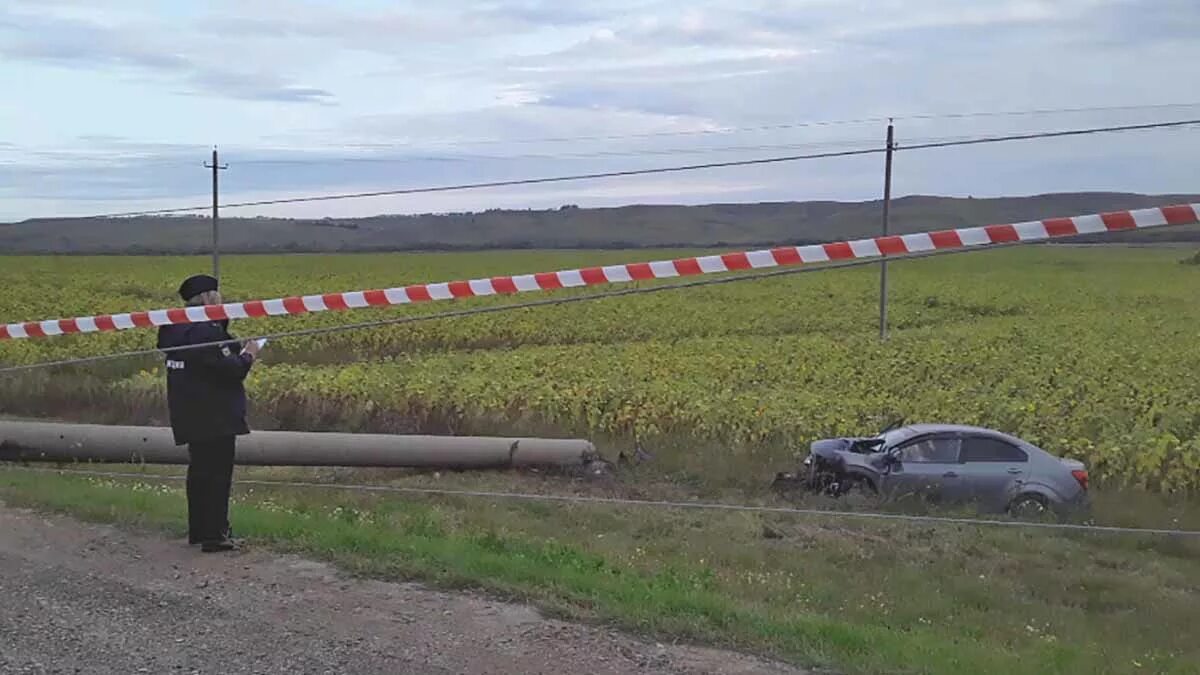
856, 597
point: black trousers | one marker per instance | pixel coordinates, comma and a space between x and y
209, 475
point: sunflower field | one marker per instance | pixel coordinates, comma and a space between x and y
1090, 352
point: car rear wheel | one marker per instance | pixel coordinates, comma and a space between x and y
1029, 507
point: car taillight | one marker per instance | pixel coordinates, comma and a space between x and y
1081, 476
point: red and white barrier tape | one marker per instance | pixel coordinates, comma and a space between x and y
963, 238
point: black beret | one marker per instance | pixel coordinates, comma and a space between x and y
193, 286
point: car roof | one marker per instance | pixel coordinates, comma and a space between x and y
912, 430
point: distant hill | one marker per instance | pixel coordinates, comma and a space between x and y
572, 227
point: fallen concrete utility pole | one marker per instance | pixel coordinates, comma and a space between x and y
54, 442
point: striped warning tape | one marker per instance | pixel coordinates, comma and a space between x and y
963, 238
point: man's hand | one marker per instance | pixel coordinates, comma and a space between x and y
252, 349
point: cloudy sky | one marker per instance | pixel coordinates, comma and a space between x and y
113, 106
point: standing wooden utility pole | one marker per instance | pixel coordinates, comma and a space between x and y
887, 206
216, 245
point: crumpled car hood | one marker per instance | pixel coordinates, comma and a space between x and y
838, 452
827, 447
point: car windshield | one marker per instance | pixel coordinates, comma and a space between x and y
894, 437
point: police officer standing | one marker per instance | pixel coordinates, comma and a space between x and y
207, 401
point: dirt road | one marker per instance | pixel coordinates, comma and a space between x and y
80, 598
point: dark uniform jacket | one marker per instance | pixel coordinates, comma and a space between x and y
205, 390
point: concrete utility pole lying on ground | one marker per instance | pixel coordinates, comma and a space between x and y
46, 441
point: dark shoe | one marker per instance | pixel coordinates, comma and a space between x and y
218, 546
228, 534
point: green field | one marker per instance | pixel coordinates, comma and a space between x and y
1089, 352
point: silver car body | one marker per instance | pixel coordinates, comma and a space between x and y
949, 463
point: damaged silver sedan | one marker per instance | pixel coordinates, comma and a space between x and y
948, 464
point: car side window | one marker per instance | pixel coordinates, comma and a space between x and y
983, 449
941, 450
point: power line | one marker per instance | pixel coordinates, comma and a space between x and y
656, 503
796, 125
317, 160
599, 154
1047, 134
498, 183
314, 159
307, 332
658, 170
720, 131
1047, 111
678, 151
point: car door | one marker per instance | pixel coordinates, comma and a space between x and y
993, 470
927, 466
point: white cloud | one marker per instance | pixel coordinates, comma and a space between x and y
133, 48
401, 83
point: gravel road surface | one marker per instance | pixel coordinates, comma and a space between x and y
81, 598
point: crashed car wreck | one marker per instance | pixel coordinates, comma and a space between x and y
946, 464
